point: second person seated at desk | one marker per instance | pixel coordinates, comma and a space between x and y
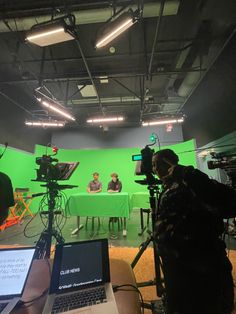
94, 186
115, 185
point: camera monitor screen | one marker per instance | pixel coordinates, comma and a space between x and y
66, 169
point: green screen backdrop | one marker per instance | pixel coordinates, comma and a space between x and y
20, 166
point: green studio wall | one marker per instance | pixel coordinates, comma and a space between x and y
20, 166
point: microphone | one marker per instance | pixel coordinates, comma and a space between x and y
6, 144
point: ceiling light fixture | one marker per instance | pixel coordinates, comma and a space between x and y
52, 32
51, 105
114, 28
163, 122
53, 108
46, 123
111, 119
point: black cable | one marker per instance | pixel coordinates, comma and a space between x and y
25, 228
117, 288
21, 303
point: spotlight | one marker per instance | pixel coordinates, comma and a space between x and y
52, 32
114, 28
164, 122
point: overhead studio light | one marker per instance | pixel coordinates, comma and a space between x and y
52, 32
111, 119
163, 122
46, 123
114, 28
51, 105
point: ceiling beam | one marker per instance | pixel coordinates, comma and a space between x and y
84, 76
126, 88
83, 16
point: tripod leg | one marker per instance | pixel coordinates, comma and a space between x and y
143, 247
59, 238
141, 222
41, 246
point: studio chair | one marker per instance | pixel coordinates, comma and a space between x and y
93, 222
23, 199
115, 221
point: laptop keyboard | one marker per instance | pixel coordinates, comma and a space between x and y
79, 299
2, 306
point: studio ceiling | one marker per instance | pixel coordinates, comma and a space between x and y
151, 70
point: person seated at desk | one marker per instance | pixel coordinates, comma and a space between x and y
115, 185
94, 186
6, 196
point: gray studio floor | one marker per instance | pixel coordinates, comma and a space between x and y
15, 235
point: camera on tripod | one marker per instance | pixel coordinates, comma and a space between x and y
227, 162
144, 166
222, 161
47, 169
52, 170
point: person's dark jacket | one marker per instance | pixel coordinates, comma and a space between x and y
191, 210
188, 228
6, 196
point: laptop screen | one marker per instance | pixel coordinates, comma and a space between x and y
80, 265
14, 268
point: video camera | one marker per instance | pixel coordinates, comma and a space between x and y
144, 166
225, 162
51, 170
222, 162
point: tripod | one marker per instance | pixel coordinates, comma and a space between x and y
43, 245
156, 306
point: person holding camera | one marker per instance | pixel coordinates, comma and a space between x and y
188, 229
6, 196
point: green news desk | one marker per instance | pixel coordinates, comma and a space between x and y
140, 200
99, 205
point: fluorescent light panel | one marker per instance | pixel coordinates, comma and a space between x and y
163, 122
54, 108
115, 33
112, 119
49, 35
45, 123
114, 28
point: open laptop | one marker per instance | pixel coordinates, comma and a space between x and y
15, 264
80, 280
